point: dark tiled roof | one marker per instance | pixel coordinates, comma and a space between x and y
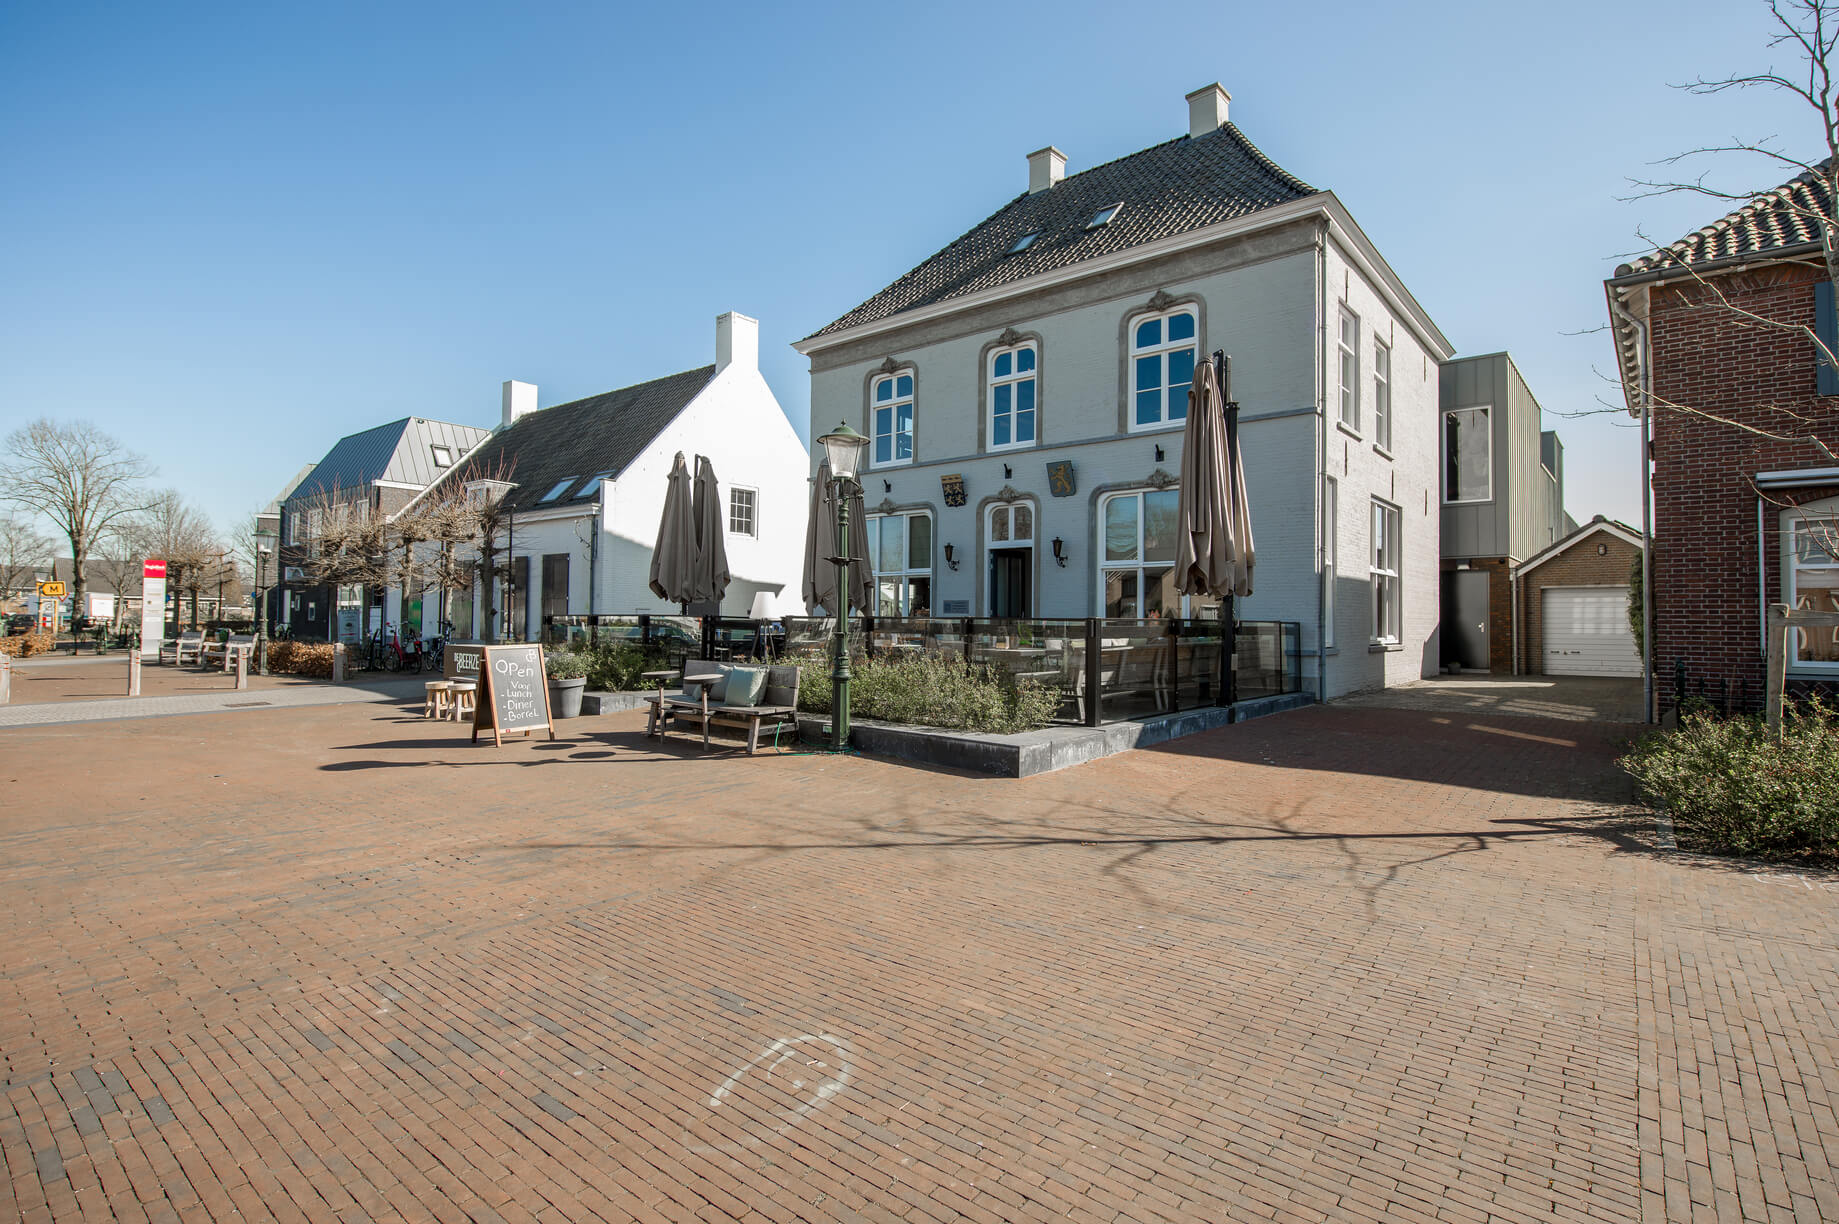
1186, 184
1783, 217
596, 436
400, 451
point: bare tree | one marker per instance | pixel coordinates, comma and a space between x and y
1807, 33
78, 477
171, 528
24, 550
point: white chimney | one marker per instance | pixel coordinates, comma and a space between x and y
519, 399
1045, 168
1207, 110
737, 341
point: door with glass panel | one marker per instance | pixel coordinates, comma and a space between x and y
1138, 551
1011, 570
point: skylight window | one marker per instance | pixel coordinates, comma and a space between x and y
1103, 216
443, 456
561, 487
1023, 243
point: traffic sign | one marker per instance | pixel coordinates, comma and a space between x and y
52, 590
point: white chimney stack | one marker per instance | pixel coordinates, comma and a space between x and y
1045, 168
1207, 110
519, 399
737, 341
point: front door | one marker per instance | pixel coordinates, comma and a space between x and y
1009, 574
1465, 619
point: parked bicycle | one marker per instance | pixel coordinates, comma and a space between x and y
437, 647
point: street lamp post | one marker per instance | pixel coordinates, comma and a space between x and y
844, 447
264, 549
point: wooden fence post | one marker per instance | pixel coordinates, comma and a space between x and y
1778, 664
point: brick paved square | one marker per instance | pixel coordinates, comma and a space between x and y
337, 963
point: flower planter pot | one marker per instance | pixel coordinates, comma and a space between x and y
565, 697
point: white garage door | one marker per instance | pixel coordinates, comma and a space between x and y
1587, 634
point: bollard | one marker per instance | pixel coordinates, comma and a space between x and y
338, 663
134, 673
242, 669
6, 678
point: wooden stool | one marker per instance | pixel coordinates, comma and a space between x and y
439, 695
465, 699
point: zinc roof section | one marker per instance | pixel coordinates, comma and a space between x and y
1783, 217
1184, 184
413, 461
595, 436
399, 451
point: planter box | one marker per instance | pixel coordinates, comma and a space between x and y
1034, 752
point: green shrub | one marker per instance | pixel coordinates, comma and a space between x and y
565, 664
615, 667
1733, 787
937, 690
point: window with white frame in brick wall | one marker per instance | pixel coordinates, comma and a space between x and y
1383, 572
1810, 578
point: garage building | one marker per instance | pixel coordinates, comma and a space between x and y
1571, 602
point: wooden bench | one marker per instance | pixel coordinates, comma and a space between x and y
225, 652
187, 644
779, 707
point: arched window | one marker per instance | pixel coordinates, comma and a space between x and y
1162, 352
890, 400
1137, 554
1012, 397
900, 556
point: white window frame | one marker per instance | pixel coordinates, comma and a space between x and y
1160, 351
1487, 418
752, 529
911, 571
1331, 504
893, 405
1385, 553
1013, 381
1140, 565
1347, 345
1382, 394
1826, 514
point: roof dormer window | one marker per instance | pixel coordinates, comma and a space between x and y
1023, 243
1103, 216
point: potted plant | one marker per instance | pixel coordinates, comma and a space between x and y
567, 678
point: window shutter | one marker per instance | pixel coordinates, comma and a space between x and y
1825, 326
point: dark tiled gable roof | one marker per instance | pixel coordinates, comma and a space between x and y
595, 436
1771, 221
1185, 184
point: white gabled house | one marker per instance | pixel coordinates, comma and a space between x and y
588, 489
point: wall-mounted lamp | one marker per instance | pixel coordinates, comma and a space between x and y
949, 558
887, 486
1006, 472
1059, 552
1158, 454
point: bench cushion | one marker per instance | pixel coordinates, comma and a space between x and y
743, 688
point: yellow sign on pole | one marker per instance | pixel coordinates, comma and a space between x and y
53, 590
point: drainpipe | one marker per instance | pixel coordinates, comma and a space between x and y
1647, 535
1321, 470
1762, 584
593, 546
1513, 593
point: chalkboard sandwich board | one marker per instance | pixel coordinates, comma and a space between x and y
513, 693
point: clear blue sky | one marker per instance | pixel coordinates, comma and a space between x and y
233, 234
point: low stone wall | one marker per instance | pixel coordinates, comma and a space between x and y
1035, 752
612, 703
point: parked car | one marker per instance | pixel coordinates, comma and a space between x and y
18, 622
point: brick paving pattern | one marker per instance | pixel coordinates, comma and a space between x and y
1342, 964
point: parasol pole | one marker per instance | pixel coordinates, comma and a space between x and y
1229, 621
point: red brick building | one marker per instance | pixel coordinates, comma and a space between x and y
1714, 339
